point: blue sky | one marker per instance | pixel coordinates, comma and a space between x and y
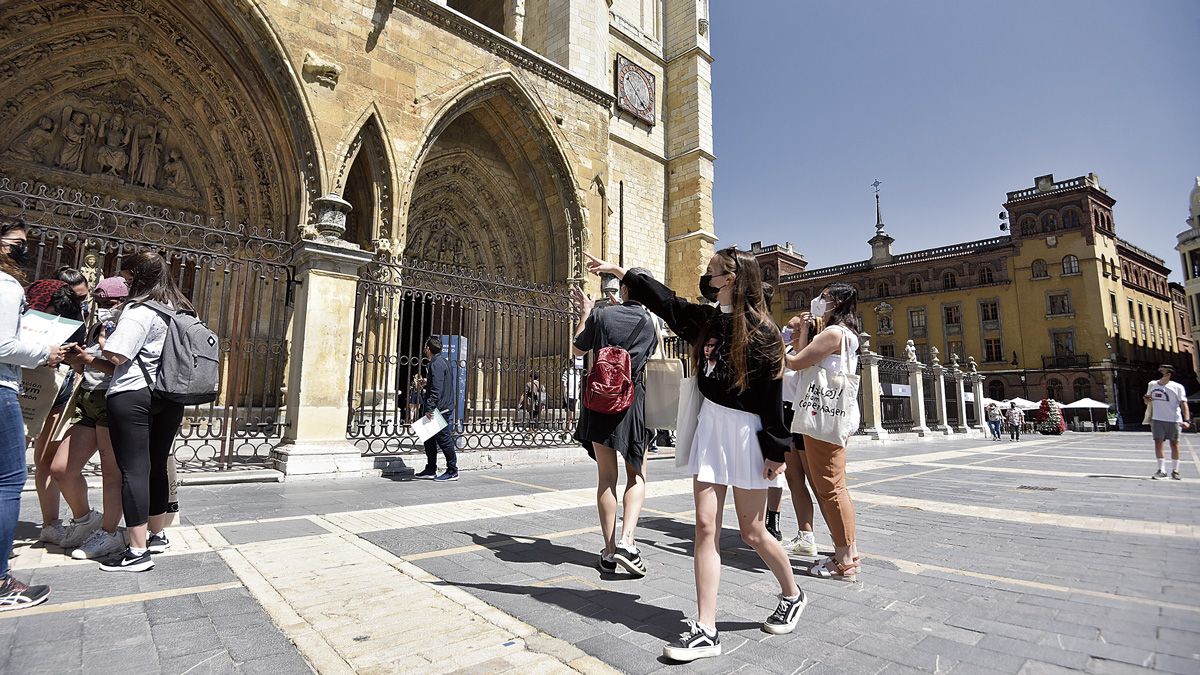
951, 104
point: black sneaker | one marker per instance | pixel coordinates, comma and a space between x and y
448, 476
773, 525
631, 559
606, 566
1159, 474
426, 474
158, 543
17, 595
128, 562
786, 615
694, 644
1175, 476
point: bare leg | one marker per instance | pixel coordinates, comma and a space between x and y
775, 497
1158, 449
710, 501
112, 481
43, 454
635, 497
67, 467
606, 494
1174, 451
751, 506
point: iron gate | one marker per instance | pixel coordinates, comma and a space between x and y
500, 335
235, 276
896, 410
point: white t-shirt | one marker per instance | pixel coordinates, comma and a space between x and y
139, 336
1164, 401
833, 362
571, 379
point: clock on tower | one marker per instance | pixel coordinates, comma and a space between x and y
635, 90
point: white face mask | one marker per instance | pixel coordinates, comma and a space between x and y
105, 315
818, 307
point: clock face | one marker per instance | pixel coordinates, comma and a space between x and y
635, 90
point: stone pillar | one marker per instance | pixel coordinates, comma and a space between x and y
314, 441
872, 409
939, 393
976, 381
959, 378
514, 20
916, 385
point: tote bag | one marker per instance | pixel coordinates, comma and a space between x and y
688, 414
664, 377
827, 402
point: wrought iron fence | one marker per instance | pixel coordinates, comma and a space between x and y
235, 276
952, 395
896, 409
516, 383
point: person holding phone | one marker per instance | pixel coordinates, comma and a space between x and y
15, 354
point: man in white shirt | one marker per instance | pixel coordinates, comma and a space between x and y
572, 380
1168, 412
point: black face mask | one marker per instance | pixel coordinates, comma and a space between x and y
706, 288
19, 252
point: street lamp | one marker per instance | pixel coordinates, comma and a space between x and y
1112, 357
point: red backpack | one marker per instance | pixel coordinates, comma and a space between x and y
609, 386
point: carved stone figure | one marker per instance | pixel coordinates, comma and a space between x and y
954, 360
971, 365
175, 175
147, 155
76, 131
113, 153
910, 352
31, 146
324, 72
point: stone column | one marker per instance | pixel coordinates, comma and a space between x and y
872, 409
514, 20
916, 385
977, 389
314, 441
939, 392
959, 378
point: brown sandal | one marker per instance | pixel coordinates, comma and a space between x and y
828, 568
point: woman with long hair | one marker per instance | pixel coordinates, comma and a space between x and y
142, 426
837, 309
740, 438
15, 354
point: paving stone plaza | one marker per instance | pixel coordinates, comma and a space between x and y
1054, 554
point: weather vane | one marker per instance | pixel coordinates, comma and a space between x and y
876, 185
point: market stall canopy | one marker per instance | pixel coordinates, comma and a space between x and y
1087, 403
1022, 403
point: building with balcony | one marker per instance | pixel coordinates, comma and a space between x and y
1060, 306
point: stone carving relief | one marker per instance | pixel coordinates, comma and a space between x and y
321, 71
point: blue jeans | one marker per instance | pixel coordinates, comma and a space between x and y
995, 426
12, 471
444, 441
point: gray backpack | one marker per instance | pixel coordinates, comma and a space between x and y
189, 371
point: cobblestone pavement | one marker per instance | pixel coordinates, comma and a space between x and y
1045, 556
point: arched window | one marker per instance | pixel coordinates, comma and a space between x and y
1083, 388
768, 273
1054, 389
1070, 219
1070, 265
1104, 265
883, 290
1049, 223
1028, 225
914, 285
996, 390
949, 281
985, 275
1039, 269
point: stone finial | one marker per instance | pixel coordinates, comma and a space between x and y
933, 357
954, 360
331, 213
321, 71
972, 367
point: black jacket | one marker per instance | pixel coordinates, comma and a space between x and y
439, 388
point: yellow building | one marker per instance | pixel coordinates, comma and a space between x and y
1059, 307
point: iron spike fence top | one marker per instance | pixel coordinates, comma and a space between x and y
448, 279
53, 208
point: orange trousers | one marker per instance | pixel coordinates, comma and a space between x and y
827, 474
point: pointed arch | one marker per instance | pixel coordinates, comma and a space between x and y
367, 180
524, 129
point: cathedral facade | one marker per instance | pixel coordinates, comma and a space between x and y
436, 149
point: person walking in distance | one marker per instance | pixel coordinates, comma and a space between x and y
1016, 418
993, 419
837, 344
740, 440
607, 434
533, 400
142, 425
572, 382
15, 354
439, 395
1168, 412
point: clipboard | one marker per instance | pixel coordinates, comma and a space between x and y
425, 428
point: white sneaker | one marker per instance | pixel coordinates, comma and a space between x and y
804, 543
79, 531
99, 545
53, 533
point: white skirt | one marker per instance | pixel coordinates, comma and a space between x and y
725, 449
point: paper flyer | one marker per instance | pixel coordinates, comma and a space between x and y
425, 428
